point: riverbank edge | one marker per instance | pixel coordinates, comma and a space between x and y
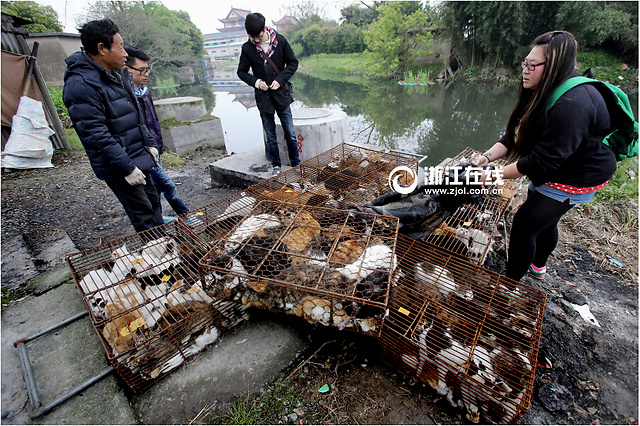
353, 67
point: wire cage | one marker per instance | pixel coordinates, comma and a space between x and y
505, 192
146, 302
342, 175
332, 267
469, 231
214, 220
467, 332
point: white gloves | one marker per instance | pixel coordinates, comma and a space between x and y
154, 153
136, 177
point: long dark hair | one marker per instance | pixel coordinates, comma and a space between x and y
560, 50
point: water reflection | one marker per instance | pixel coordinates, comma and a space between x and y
437, 120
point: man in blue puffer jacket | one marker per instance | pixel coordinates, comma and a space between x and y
106, 116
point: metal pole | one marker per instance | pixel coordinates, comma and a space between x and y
29, 380
52, 328
27, 371
44, 410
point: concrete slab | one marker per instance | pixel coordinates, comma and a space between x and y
242, 361
242, 170
60, 360
56, 247
51, 279
17, 263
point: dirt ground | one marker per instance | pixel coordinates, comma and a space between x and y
587, 374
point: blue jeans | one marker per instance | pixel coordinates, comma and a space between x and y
165, 185
269, 126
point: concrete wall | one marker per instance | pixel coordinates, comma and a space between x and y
317, 130
54, 48
185, 108
188, 137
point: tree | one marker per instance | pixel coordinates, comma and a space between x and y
44, 18
305, 9
613, 25
358, 15
399, 35
500, 33
168, 36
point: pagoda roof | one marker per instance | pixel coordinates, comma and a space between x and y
235, 13
286, 20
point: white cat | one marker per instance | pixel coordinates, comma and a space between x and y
93, 286
378, 257
250, 226
477, 241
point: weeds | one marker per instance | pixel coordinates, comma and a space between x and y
172, 160
269, 407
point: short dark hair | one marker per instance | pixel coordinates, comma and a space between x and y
254, 24
95, 32
135, 53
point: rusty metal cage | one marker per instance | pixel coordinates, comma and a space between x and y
328, 266
505, 192
214, 220
342, 175
469, 333
146, 302
469, 231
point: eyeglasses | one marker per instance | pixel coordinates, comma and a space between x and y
531, 67
142, 71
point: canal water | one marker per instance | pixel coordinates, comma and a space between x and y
438, 120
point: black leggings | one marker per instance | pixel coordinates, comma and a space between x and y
534, 234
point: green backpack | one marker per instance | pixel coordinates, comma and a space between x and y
624, 138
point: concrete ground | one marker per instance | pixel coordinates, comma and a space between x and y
239, 362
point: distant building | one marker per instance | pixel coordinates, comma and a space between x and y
54, 48
227, 43
285, 23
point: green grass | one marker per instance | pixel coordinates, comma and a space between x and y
622, 186
349, 64
607, 68
172, 160
268, 407
76, 151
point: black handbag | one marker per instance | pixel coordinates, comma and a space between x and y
288, 86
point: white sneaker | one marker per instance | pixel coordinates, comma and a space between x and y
276, 170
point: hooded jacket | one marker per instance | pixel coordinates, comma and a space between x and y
107, 118
284, 58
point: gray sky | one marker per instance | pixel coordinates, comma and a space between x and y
205, 14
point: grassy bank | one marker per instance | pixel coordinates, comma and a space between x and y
355, 65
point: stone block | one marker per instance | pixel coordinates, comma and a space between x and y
185, 108
189, 136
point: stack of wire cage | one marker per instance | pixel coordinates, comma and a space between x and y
290, 244
146, 302
335, 178
467, 332
328, 266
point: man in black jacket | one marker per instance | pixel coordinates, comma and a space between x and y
270, 77
108, 121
